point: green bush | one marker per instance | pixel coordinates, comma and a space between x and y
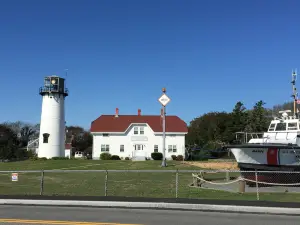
43, 158
174, 157
126, 158
31, 154
156, 155
33, 158
115, 157
105, 156
59, 158
180, 158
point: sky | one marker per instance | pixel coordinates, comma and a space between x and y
208, 54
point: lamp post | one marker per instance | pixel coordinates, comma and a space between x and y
164, 100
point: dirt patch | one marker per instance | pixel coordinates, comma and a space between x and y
215, 165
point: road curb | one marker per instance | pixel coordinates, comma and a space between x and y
155, 205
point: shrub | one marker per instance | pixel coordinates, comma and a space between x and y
115, 157
31, 154
157, 155
43, 158
180, 158
105, 156
59, 158
33, 158
174, 157
126, 158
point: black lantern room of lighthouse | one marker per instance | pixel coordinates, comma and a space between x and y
55, 85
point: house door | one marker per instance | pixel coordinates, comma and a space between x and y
139, 150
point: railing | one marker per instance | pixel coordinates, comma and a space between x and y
194, 184
246, 136
53, 89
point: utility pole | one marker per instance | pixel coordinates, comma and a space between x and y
164, 100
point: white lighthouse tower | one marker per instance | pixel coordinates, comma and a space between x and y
52, 127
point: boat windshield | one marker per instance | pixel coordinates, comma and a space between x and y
282, 126
293, 126
272, 127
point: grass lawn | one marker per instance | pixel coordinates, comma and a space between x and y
140, 184
94, 165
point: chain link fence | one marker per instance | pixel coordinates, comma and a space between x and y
202, 184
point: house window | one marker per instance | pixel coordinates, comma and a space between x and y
45, 137
138, 147
172, 148
141, 130
104, 148
136, 130
155, 148
105, 135
121, 148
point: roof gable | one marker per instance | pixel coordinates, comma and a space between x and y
111, 123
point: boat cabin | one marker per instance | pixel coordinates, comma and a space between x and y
282, 130
282, 126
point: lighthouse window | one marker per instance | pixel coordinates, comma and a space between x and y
292, 126
45, 137
281, 127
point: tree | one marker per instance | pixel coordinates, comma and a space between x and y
24, 131
213, 129
280, 107
209, 130
259, 121
238, 120
81, 139
8, 142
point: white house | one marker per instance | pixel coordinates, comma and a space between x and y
137, 136
69, 150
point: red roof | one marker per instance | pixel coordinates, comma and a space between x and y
110, 123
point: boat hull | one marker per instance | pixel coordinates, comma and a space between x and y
270, 175
274, 164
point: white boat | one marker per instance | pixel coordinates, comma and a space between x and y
277, 150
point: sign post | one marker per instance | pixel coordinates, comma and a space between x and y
164, 100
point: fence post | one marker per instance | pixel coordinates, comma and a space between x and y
256, 181
177, 180
227, 176
42, 183
105, 185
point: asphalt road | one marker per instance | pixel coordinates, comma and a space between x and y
100, 216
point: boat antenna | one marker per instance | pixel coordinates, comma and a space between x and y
295, 94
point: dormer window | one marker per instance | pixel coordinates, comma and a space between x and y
138, 130
141, 130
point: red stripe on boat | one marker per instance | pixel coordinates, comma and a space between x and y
272, 156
